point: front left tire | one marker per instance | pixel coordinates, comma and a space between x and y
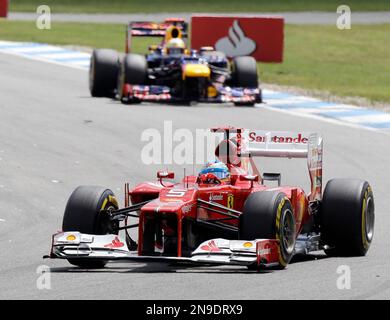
269, 215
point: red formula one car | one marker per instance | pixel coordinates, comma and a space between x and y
172, 72
234, 218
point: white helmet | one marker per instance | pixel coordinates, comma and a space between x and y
175, 46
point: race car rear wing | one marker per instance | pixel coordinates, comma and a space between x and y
285, 144
281, 144
155, 29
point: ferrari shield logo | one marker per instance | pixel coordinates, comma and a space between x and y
230, 201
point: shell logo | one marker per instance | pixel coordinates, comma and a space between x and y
247, 245
71, 237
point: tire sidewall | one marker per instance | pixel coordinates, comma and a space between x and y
262, 218
283, 208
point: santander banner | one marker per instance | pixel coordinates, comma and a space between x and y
260, 37
3, 8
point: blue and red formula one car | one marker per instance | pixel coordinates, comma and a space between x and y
171, 71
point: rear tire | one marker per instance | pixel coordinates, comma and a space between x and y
83, 214
347, 217
103, 73
269, 215
133, 70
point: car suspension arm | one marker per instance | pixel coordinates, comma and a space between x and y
122, 213
214, 206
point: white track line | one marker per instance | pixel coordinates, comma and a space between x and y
321, 118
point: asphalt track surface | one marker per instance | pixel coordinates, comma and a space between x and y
54, 137
309, 17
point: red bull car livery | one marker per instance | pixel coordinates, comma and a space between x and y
171, 71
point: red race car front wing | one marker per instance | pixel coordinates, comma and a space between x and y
68, 245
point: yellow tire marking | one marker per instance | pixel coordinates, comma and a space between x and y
110, 199
277, 224
113, 200
104, 204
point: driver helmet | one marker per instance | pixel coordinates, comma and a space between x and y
217, 168
175, 46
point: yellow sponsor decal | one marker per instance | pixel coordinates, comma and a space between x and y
230, 201
71, 237
248, 245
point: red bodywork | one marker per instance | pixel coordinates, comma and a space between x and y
190, 200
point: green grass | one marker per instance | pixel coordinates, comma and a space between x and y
64, 33
122, 6
352, 62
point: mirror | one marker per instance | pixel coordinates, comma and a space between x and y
165, 175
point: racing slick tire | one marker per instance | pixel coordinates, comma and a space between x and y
133, 70
269, 215
83, 213
347, 217
244, 74
103, 73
